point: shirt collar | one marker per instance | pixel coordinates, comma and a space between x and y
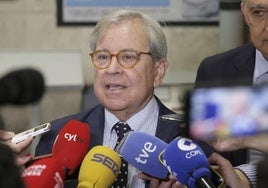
261, 65
137, 120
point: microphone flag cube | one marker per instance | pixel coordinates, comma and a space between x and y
142, 151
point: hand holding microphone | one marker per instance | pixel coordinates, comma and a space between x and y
68, 151
142, 151
99, 168
186, 161
5, 138
232, 176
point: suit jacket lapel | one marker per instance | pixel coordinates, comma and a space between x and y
167, 130
245, 62
95, 121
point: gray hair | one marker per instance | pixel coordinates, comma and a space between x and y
156, 37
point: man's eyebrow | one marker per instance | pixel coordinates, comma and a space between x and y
254, 6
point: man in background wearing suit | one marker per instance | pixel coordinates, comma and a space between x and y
244, 65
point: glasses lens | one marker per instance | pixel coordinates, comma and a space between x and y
101, 59
127, 58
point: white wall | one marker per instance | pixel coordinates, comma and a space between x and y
32, 24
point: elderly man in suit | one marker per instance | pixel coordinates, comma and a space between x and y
129, 53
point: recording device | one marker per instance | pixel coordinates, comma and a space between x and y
186, 161
21, 87
223, 112
71, 144
142, 150
44, 173
41, 129
99, 168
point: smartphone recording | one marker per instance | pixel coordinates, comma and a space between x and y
223, 112
41, 129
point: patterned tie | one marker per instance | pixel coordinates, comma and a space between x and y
263, 78
121, 128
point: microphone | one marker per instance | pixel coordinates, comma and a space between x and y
99, 168
71, 144
186, 161
44, 173
21, 87
142, 150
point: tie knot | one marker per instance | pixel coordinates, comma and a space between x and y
121, 128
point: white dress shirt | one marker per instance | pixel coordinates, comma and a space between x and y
261, 66
143, 121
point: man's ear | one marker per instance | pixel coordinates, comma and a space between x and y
244, 12
160, 71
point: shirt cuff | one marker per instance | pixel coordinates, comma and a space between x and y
250, 171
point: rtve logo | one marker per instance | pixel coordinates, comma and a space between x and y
186, 144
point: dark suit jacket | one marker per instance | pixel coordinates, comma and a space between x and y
94, 117
233, 67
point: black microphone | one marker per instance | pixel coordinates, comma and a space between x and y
21, 87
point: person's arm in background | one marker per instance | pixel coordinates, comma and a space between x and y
243, 176
18, 148
237, 177
257, 142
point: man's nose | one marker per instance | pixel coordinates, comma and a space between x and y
114, 64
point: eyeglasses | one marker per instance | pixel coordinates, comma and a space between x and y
127, 58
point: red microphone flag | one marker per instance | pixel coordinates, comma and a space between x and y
71, 144
44, 173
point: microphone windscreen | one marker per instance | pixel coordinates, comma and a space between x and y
99, 168
21, 87
142, 150
186, 161
44, 173
71, 144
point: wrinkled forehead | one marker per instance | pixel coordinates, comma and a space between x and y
127, 30
256, 4
130, 22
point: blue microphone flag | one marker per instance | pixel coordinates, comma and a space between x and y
142, 151
186, 161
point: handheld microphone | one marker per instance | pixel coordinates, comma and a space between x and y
99, 168
71, 144
186, 161
21, 87
142, 151
44, 173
